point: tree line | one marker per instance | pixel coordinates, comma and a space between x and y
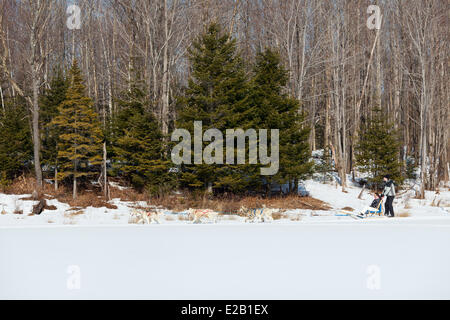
342, 74
77, 147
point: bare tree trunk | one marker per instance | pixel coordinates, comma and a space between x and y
165, 82
2, 100
35, 116
56, 177
105, 172
74, 194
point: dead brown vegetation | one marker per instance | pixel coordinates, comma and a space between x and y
86, 198
232, 205
175, 202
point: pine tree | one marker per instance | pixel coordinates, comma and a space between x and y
15, 140
378, 150
138, 143
49, 103
217, 95
274, 109
324, 165
80, 141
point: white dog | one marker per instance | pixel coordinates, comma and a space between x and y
198, 214
145, 217
258, 215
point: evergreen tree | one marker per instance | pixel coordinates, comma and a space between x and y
80, 141
324, 165
15, 140
138, 143
274, 109
378, 150
217, 95
49, 103
411, 168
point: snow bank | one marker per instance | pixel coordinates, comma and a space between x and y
435, 205
404, 203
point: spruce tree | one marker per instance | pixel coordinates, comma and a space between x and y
274, 109
138, 143
217, 95
378, 150
49, 103
324, 165
15, 140
81, 137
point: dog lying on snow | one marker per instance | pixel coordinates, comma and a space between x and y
258, 215
198, 214
145, 217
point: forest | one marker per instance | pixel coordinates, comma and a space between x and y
94, 92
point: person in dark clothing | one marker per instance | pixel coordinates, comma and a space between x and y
373, 206
389, 193
376, 201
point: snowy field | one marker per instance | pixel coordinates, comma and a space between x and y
325, 261
307, 255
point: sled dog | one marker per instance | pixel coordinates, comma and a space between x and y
198, 214
145, 217
257, 214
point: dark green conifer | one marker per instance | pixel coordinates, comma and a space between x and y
15, 140
217, 95
378, 150
138, 144
274, 109
49, 103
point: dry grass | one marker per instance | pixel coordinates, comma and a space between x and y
128, 194
86, 198
176, 203
403, 214
22, 185
72, 212
182, 217
279, 215
348, 209
232, 205
296, 218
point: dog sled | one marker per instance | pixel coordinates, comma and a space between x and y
368, 213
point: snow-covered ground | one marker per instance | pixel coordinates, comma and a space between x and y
434, 206
306, 255
267, 261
